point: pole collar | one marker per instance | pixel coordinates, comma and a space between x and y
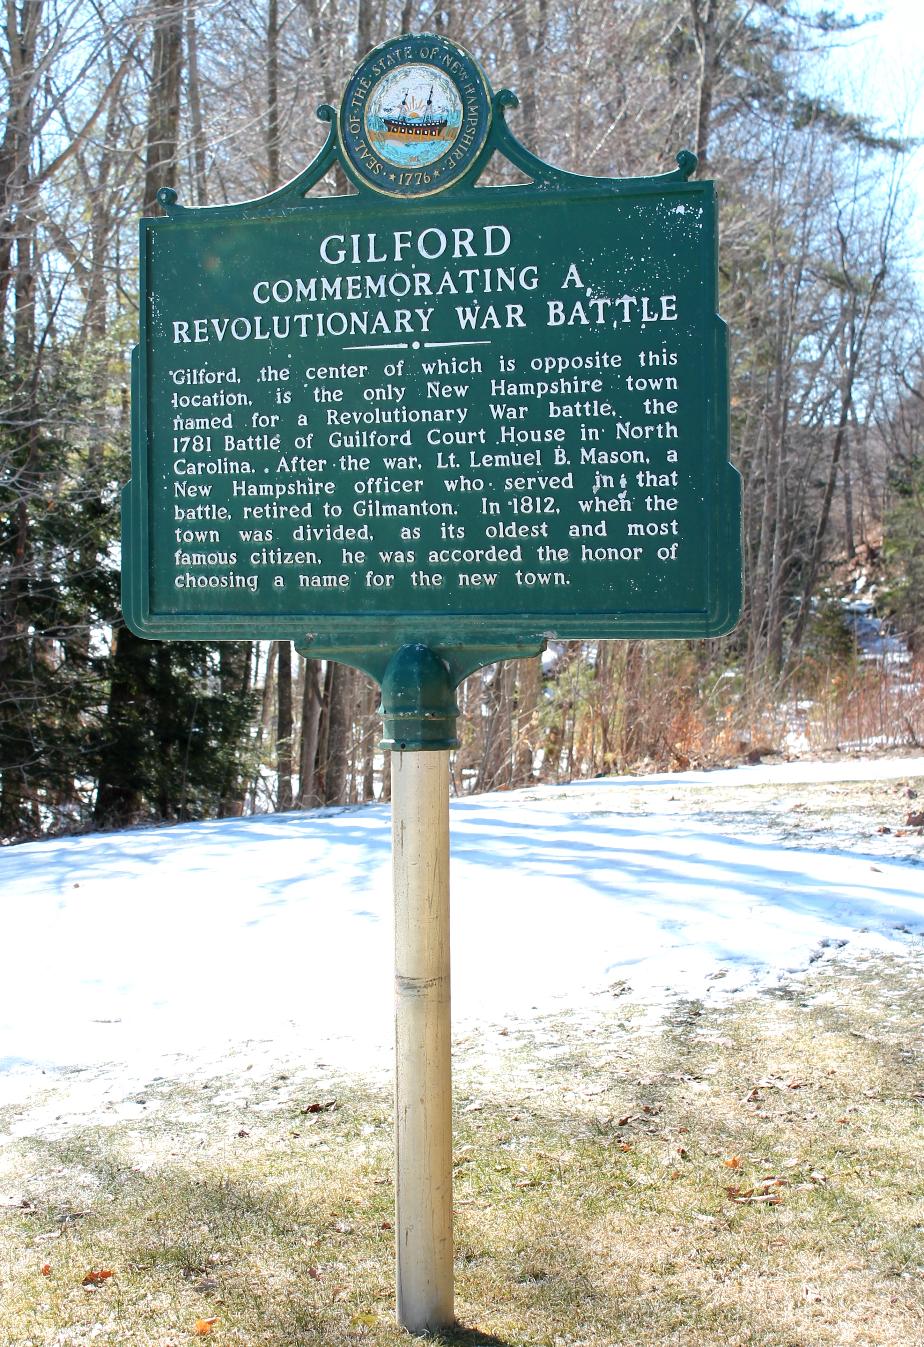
418, 701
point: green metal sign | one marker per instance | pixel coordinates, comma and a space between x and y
428, 411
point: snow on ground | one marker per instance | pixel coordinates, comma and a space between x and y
152, 951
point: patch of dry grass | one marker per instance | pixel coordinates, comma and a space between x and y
597, 1171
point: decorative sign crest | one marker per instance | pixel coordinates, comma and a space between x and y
415, 116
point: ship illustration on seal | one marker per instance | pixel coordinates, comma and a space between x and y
413, 115
424, 126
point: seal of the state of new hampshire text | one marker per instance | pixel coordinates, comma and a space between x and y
415, 116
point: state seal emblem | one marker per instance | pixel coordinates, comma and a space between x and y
415, 116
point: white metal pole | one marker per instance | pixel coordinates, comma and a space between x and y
423, 1082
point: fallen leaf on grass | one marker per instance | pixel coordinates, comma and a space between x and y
321, 1107
732, 1162
204, 1326
767, 1190
46, 1269
97, 1278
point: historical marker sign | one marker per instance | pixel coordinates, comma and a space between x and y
429, 409
420, 427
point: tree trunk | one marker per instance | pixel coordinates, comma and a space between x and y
284, 726
496, 766
705, 16
335, 735
856, 335
235, 659
132, 683
529, 682
17, 266
118, 794
370, 737
364, 17
264, 728
311, 715
163, 102
194, 98
529, 41
272, 94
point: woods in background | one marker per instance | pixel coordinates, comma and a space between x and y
104, 105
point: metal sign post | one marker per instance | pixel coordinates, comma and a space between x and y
418, 703
423, 1083
419, 710
419, 429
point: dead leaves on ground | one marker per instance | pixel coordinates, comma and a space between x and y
769, 1190
97, 1278
325, 1106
